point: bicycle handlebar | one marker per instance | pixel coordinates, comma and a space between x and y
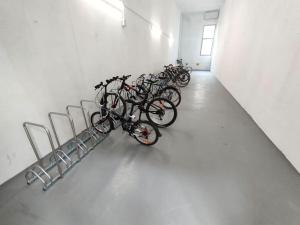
124, 77
98, 86
108, 81
111, 80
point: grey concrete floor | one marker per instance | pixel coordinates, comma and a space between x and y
213, 167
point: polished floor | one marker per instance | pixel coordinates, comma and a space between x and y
213, 167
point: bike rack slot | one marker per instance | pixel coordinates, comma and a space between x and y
38, 176
82, 103
87, 120
39, 171
74, 140
87, 117
93, 132
63, 157
87, 130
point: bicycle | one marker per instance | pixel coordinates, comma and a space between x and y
159, 111
109, 99
105, 119
159, 87
177, 75
143, 131
186, 66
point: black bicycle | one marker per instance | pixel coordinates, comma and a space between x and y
159, 87
107, 119
176, 75
108, 99
160, 111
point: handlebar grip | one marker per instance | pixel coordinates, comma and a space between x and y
98, 86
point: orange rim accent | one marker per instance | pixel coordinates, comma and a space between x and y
147, 142
161, 105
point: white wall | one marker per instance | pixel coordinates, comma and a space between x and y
53, 52
192, 25
258, 61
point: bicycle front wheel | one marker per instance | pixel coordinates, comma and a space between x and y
102, 124
183, 79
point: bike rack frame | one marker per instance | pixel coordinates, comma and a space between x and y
38, 171
82, 103
80, 146
92, 134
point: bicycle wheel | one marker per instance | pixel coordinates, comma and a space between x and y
102, 124
115, 103
183, 79
145, 133
161, 112
172, 94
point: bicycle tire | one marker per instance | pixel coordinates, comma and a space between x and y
177, 101
146, 142
99, 124
159, 106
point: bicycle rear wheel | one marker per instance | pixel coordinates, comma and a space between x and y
161, 112
172, 94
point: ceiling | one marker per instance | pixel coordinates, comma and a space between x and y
199, 5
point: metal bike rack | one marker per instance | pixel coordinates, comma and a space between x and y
80, 146
39, 171
90, 132
60, 157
